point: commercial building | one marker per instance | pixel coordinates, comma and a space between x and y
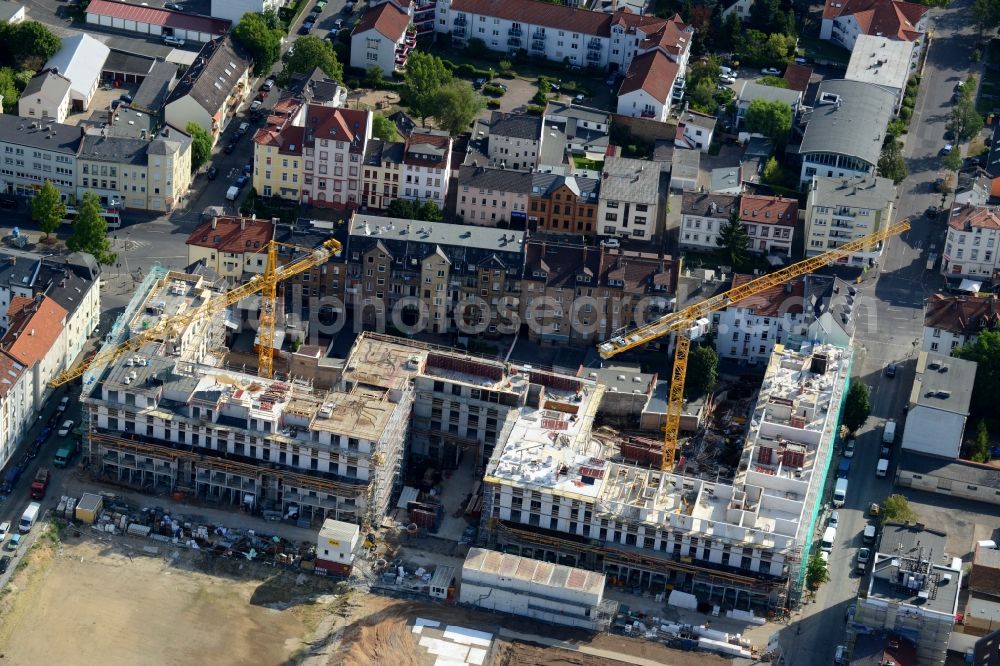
231, 246
702, 218
840, 210
34, 152
630, 199
427, 166
844, 21
970, 248
515, 140
563, 204
80, 59
939, 405
884, 62
947, 476
156, 22
845, 129
212, 89
770, 221
46, 96
233, 10
540, 590
913, 591
383, 37
335, 546
955, 321
492, 197
556, 493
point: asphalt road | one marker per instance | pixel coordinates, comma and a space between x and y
889, 323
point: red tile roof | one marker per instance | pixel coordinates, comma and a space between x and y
798, 76
10, 370
968, 218
17, 303
233, 234
34, 330
387, 18
327, 122
652, 72
160, 17
968, 315
559, 17
788, 298
887, 18
769, 210
672, 35
433, 141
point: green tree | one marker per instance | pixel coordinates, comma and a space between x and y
429, 212
816, 572
986, 16
456, 105
896, 509
9, 88
891, 163
702, 372
375, 79
773, 173
964, 120
985, 351
980, 452
201, 145
271, 19
857, 406
29, 44
90, 231
383, 128
733, 237
312, 52
952, 161
772, 118
425, 75
773, 81
403, 209
260, 40
47, 208
702, 97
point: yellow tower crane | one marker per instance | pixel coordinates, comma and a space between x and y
685, 323
266, 284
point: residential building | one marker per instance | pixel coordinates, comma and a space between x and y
755, 156
37, 339
798, 77
136, 173
939, 405
428, 274
702, 218
739, 7
34, 152
883, 62
662, 530
970, 246
383, 37
233, 10
992, 168
955, 321
157, 22
563, 204
155, 88
46, 96
80, 59
647, 89
844, 21
913, 591
826, 148
212, 88
316, 88
335, 141
17, 413
695, 131
382, 169
493, 197
726, 180
630, 199
426, 166
515, 140
751, 90
972, 189
278, 166
770, 221
231, 246
840, 210
12, 13
74, 283
585, 129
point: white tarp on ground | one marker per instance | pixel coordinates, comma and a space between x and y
970, 286
682, 600
468, 636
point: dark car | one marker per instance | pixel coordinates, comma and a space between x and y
126, 98
932, 212
241, 181
212, 173
230, 147
4, 564
890, 370
949, 135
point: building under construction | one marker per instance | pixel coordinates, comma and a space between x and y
557, 490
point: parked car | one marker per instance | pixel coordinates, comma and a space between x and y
255, 106
66, 427
244, 126
241, 181
230, 147
212, 173
802, 61
4, 530
63, 403
890, 370
849, 448
931, 212
864, 554
949, 135
338, 24
14, 543
770, 71
306, 28
947, 149
834, 519
173, 41
479, 83
267, 85
4, 564
174, 6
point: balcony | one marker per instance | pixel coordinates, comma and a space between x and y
460, 19
458, 30
593, 56
514, 41
515, 31
538, 34
538, 45
648, 113
594, 45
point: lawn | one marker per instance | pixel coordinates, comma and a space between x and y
821, 51
526, 69
581, 162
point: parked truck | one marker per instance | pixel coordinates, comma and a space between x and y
840, 493
29, 517
40, 483
889, 432
65, 453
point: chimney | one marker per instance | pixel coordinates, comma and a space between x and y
243, 223
215, 222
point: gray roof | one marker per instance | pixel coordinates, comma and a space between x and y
949, 468
912, 568
516, 125
55, 137
543, 183
621, 377
908, 538
155, 87
701, 204
849, 118
943, 382
440, 233
871, 192
54, 84
686, 163
123, 62
208, 83
129, 123
67, 281
378, 151
752, 90
500, 180
570, 110
170, 141
627, 179
9, 9
759, 146
120, 150
726, 178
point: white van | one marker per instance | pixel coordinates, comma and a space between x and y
829, 536
883, 467
840, 493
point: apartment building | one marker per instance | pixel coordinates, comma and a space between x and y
278, 166
845, 21
46, 96
432, 275
231, 246
426, 166
335, 141
955, 321
551, 490
384, 37
37, 339
840, 210
770, 221
647, 91
17, 412
34, 152
702, 218
564, 204
515, 140
492, 197
630, 199
382, 169
970, 246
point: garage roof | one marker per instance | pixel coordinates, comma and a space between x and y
80, 60
161, 17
